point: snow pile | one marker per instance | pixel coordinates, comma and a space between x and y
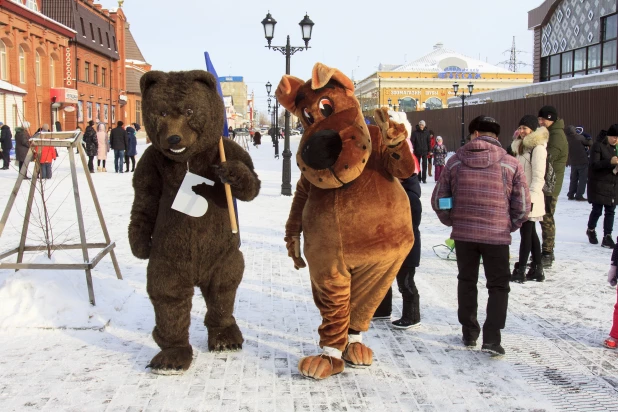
59, 298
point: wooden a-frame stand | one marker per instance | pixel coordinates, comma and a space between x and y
72, 141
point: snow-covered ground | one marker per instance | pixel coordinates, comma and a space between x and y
59, 353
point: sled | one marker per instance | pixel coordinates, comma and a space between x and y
446, 250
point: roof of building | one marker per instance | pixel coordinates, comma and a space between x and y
133, 78
131, 49
9, 87
441, 58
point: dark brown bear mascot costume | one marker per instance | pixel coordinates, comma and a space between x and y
184, 117
351, 208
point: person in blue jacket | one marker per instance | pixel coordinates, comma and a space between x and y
131, 150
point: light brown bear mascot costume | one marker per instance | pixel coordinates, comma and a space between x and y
354, 213
184, 115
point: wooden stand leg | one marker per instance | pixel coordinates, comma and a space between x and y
24, 229
9, 205
97, 206
80, 221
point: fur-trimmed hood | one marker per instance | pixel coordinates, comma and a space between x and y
537, 138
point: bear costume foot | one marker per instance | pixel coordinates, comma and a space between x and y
320, 366
172, 361
357, 355
222, 339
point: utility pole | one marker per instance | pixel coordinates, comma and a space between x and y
512, 63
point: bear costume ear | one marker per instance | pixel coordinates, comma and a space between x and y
203, 76
151, 78
322, 74
287, 90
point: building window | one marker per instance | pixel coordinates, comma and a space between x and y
80, 111
567, 64
138, 111
52, 72
3, 64
610, 27
113, 114
100, 37
115, 47
87, 72
81, 19
609, 55
95, 80
580, 60
77, 69
105, 113
88, 111
22, 65
37, 68
594, 59
554, 67
32, 5
103, 76
107, 37
92, 32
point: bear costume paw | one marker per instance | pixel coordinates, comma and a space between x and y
320, 366
357, 355
172, 361
224, 339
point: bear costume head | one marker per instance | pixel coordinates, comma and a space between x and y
183, 113
336, 144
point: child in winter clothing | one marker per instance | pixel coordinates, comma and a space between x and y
612, 277
439, 157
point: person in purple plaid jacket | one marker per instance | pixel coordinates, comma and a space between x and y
490, 200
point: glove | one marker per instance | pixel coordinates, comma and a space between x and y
292, 243
612, 276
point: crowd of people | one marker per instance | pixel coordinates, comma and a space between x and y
470, 198
97, 143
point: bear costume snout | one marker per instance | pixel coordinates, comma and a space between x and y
322, 149
175, 139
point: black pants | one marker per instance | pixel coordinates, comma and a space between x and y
497, 273
608, 220
6, 159
99, 163
423, 174
20, 166
126, 160
579, 179
91, 164
529, 243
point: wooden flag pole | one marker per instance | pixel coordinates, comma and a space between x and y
228, 192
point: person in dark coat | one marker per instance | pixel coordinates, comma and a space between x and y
131, 150
22, 145
578, 158
257, 139
92, 144
603, 186
119, 142
6, 144
421, 142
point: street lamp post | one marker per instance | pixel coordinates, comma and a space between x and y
306, 26
274, 123
463, 99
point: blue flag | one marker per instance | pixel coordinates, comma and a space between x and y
211, 69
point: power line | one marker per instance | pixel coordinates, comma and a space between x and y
512, 63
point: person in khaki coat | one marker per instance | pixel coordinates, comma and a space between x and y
530, 148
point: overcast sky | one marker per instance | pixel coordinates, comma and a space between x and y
353, 36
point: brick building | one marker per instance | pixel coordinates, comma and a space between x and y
32, 54
135, 68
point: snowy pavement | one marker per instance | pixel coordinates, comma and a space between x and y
60, 354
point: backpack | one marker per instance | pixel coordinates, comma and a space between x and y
550, 175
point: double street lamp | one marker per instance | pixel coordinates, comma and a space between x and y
390, 105
463, 99
306, 26
274, 122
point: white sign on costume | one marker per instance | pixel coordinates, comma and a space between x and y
187, 201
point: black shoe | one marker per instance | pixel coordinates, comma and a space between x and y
547, 259
493, 348
581, 199
608, 242
536, 273
410, 314
570, 197
519, 274
592, 236
470, 343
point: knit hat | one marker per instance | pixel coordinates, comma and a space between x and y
422, 123
439, 138
530, 121
549, 113
613, 130
91, 123
484, 123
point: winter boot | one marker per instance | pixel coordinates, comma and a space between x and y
592, 236
99, 168
429, 168
519, 274
547, 259
410, 313
104, 169
386, 307
536, 272
608, 242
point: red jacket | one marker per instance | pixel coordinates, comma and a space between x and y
48, 153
